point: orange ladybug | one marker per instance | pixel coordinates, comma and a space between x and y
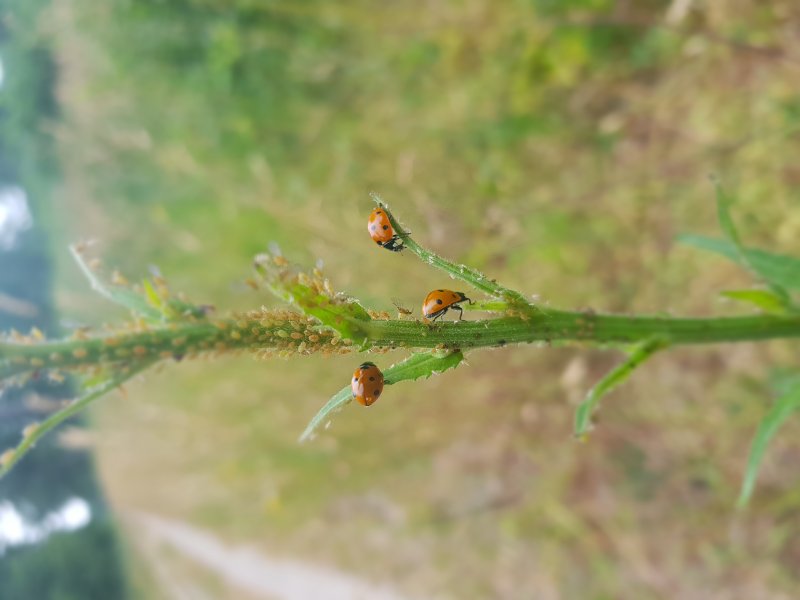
382, 232
439, 302
367, 383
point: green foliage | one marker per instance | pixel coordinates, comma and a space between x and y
153, 303
79, 565
314, 296
779, 269
784, 407
118, 357
27, 101
35, 431
457, 271
617, 376
724, 203
139, 304
518, 139
766, 300
780, 273
416, 366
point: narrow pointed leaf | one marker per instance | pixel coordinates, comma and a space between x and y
311, 294
783, 408
423, 364
33, 433
122, 295
766, 300
724, 203
620, 373
467, 274
779, 269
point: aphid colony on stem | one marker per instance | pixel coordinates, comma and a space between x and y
367, 382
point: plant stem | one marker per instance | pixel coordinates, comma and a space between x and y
471, 276
283, 332
557, 325
250, 333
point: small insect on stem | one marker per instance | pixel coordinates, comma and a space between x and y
402, 311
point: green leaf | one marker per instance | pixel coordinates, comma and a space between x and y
423, 364
152, 296
457, 271
779, 269
724, 203
313, 296
766, 300
782, 409
615, 377
118, 294
34, 432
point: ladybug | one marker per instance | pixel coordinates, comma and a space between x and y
367, 383
439, 302
382, 232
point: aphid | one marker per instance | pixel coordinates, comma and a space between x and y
401, 310
367, 383
382, 232
438, 302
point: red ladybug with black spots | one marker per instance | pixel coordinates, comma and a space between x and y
367, 383
438, 302
381, 231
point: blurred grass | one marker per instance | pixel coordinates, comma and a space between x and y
560, 147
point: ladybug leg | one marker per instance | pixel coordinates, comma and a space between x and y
460, 311
438, 314
394, 244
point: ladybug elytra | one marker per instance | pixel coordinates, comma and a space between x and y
381, 231
438, 302
367, 383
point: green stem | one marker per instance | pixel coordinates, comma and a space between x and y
38, 430
556, 325
287, 332
250, 333
471, 276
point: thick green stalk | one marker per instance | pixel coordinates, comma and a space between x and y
281, 332
556, 325
300, 336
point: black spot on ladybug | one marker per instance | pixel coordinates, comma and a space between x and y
372, 379
385, 227
377, 212
440, 290
438, 301
377, 393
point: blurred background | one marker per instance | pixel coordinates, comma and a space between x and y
559, 146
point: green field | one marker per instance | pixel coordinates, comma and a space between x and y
557, 146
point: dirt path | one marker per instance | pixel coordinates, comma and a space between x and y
250, 570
